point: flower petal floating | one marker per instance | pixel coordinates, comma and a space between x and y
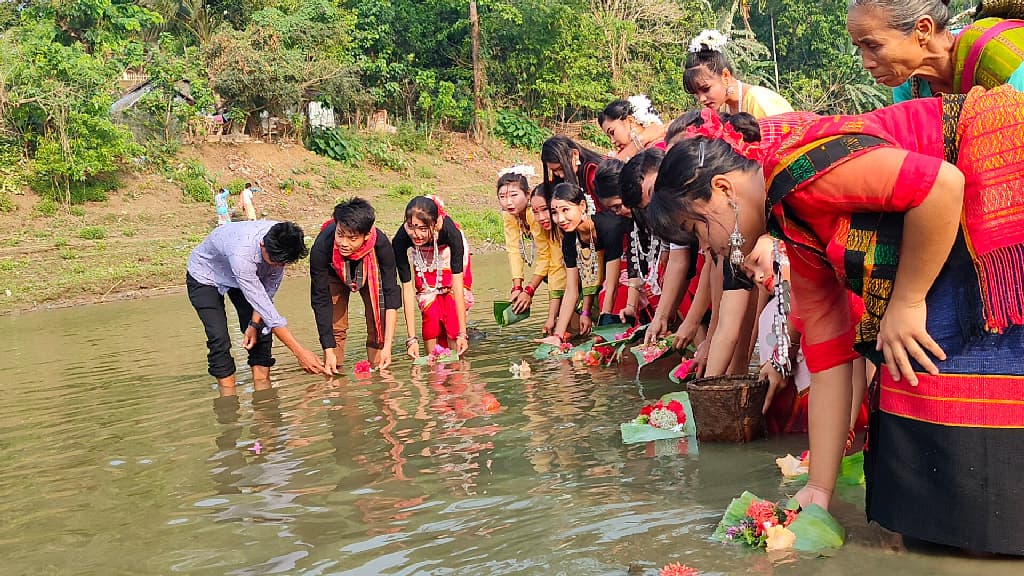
524, 369
790, 466
256, 448
362, 367
677, 569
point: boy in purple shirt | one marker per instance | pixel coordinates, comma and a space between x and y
246, 261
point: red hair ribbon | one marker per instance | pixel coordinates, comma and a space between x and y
713, 128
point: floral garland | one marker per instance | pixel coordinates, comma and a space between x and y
652, 257
709, 40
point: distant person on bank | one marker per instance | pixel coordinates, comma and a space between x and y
351, 255
247, 202
246, 261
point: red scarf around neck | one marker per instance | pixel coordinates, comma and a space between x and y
371, 271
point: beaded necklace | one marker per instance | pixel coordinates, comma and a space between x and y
779, 337
651, 257
420, 263
590, 278
524, 235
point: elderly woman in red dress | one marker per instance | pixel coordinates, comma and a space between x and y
933, 244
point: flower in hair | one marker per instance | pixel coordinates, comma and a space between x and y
709, 40
643, 111
440, 206
524, 170
714, 129
591, 208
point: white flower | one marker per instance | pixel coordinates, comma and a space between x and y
642, 110
524, 170
709, 40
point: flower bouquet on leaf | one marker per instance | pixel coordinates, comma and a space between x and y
794, 470
769, 526
616, 334
647, 353
439, 355
566, 351
669, 417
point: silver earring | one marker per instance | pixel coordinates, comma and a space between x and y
736, 239
731, 90
634, 138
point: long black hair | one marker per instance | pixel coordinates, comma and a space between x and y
606, 179
631, 185
684, 179
617, 110
558, 149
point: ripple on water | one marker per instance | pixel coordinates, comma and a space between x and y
118, 459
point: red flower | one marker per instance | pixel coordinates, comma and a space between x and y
593, 358
646, 410
362, 367
677, 569
761, 512
565, 346
790, 516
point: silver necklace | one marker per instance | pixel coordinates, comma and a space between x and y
524, 235
591, 260
651, 257
420, 263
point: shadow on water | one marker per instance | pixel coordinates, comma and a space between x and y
119, 458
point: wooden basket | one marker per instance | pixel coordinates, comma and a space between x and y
728, 408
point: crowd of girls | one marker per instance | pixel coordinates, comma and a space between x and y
915, 269
740, 220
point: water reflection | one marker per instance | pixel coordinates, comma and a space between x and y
120, 461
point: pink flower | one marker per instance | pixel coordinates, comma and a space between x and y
684, 369
440, 351
677, 569
256, 447
362, 367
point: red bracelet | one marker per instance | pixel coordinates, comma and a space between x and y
529, 290
517, 288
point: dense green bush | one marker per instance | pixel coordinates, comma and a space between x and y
519, 131
93, 233
334, 144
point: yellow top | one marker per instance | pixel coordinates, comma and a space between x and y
516, 243
545, 251
760, 102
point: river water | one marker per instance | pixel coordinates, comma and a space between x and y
118, 458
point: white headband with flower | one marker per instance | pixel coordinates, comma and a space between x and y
643, 112
524, 170
709, 40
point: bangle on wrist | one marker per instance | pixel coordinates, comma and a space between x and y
257, 325
529, 289
463, 336
585, 313
517, 288
410, 340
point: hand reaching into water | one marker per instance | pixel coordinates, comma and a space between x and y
902, 335
655, 330
814, 494
776, 382
330, 362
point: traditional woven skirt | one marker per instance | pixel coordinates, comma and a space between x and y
945, 458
